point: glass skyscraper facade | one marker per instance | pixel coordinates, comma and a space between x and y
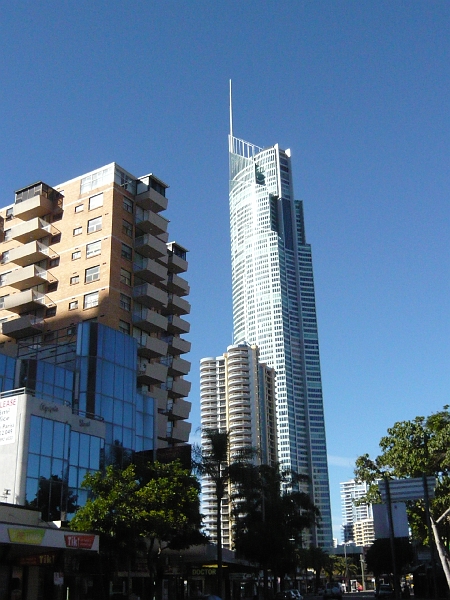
274, 307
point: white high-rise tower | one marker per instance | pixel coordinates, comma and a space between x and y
274, 307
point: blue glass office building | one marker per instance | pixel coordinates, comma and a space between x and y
274, 307
71, 408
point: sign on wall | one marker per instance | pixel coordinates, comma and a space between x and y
8, 414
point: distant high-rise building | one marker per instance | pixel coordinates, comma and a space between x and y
91, 325
237, 395
357, 519
274, 307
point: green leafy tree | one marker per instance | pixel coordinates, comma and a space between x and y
379, 557
148, 508
412, 449
270, 518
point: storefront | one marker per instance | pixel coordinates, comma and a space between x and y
40, 561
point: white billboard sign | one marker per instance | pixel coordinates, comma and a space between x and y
381, 520
8, 417
401, 490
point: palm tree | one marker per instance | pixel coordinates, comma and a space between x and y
212, 460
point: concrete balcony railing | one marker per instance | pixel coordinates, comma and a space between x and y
150, 271
150, 296
148, 198
180, 388
181, 409
151, 347
150, 246
29, 254
151, 373
178, 345
150, 222
177, 285
34, 229
23, 326
177, 264
28, 277
38, 206
24, 301
177, 305
181, 431
177, 325
148, 320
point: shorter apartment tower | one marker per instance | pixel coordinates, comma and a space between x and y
92, 310
237, 395
357, 519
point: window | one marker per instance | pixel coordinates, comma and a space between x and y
127, 252
124, 327
4, 277
52, 286
93, 248
54, 262
127, 228
73, 305
94, 225
90, 300
5, 256
79, 208
7, 235
76, 254
2, 301
9, 213
74, 279
92, 274
78, 231
125, 302
96, 201
50, 312
125, 276
128, 204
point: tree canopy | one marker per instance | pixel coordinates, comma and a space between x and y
152, 506
412, 449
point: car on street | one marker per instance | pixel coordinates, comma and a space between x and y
385, 590
333, 590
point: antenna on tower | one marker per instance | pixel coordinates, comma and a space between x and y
231, 119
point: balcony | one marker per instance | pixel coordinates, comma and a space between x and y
150, 246
32, 230
24, 301
150, 271
147, 320
177, 285
177, 305
177, 325
177, 264
29, 254
36, 200
181, 431
180, 388
180, 409
148, 198
150, 296
34, 207
152, 373
23, 326
150, 222
179, 366
27, 277
151, 347
178, 345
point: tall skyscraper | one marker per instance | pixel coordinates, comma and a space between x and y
274, 307
91, 324
357, 519
237, 395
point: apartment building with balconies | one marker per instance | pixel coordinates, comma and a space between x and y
237, 395
78, 260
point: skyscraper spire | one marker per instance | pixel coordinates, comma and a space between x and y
231, 120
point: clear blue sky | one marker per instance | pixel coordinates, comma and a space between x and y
360, 93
